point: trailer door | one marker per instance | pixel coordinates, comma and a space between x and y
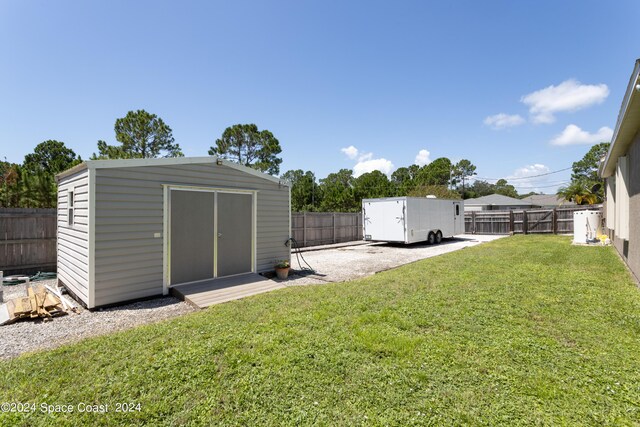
458, 218
385, 220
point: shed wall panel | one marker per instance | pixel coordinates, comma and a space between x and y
129, 212
73, 240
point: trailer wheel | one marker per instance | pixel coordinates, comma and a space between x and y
438, 237
431, 239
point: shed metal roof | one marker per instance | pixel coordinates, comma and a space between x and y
124, 163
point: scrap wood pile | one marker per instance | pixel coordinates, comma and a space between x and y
40, 302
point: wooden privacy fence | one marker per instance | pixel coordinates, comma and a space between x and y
556, 221
323, 228
28, 236
27, 240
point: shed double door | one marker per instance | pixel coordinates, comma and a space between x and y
210, 235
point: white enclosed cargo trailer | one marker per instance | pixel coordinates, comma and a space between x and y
411, 219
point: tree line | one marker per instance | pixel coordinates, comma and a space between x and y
586, 187
342, 192
144, 135
32, 183
139, 134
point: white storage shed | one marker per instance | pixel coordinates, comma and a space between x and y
130, 229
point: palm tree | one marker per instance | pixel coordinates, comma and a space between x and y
578, 193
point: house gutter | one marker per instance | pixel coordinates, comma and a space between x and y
622, 136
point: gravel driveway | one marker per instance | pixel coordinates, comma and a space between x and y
29, 335
352, 262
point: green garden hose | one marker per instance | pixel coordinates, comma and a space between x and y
42, 276
36, 278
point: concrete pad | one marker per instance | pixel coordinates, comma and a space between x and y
352, 262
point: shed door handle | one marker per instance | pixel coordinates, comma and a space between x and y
219, 235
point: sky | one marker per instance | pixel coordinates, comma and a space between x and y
520, 88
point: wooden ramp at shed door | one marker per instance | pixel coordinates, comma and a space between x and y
216, 291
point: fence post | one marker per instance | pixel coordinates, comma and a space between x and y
554, 219
511, 222
473, 222
525, 222
304, 229
334, 228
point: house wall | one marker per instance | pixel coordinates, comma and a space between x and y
629, 248
129, 212
73, 240
610, 202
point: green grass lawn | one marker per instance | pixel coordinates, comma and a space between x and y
526, 330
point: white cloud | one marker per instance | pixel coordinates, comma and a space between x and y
369, 165
422, 158
572, 135
502, 121
365, 157
570, 95
529, 170
537, 183
366, 163
350, 151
